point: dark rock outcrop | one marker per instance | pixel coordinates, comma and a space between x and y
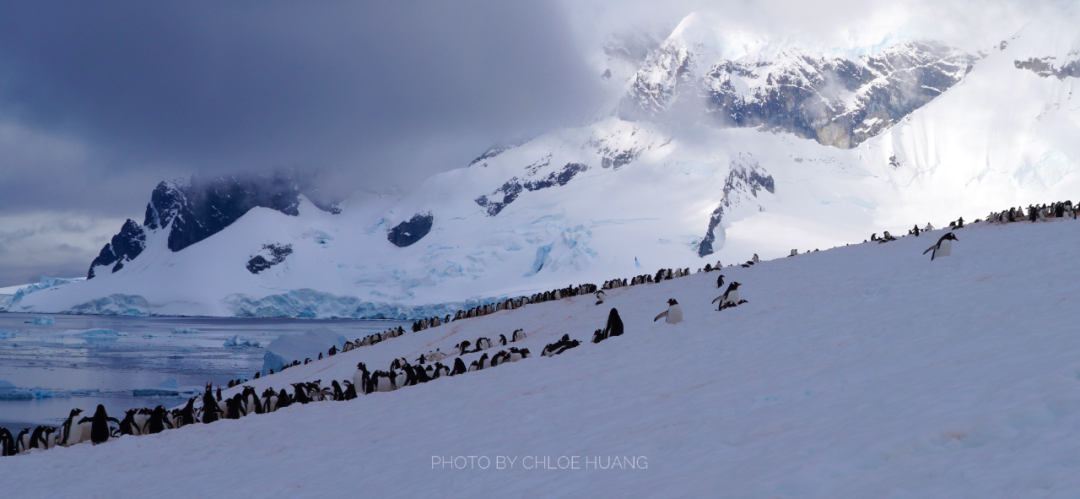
1047, 67
123, 247
273, 255
513, 187
745, 180
409, 232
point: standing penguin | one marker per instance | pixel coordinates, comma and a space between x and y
158, 421
210, 407
99, 425
71, 432
614, 324
943, 246
730, 298
7, 443
673, 313
720, 281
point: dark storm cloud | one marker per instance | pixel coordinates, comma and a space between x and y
111, 97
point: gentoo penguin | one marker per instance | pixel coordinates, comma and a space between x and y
7, 443
673, 313
730, 298
128, 426
459, 367
22, 441
99, 425
943, 246
70, 431
600, 297
158, 421
614, 324
210, 407
519, 334
350, 390
720, 281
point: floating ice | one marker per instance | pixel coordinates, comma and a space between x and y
5, 384
184, 330
99, 334
289, 347
241, 341
6, 335
154, 392
42, 321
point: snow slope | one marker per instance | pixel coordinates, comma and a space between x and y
862, 371
616, 198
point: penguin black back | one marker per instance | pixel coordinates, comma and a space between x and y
614, 324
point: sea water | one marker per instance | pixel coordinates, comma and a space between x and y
47, 369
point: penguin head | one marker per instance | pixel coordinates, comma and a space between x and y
736, 284
951, 236
671, 301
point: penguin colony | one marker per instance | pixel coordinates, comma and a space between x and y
212, 407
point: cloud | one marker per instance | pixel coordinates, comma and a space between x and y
50, 243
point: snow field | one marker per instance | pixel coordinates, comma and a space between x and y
863, 371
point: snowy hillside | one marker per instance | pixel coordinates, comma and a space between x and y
939, 133
862, 371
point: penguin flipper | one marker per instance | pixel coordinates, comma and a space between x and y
718, 298
929, 249
86, 420
661, 316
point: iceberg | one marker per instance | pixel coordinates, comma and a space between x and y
184, 330
99, 334
5, 384
289, 347
170, 383
42, 321
240, 341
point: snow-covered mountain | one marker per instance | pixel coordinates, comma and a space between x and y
733, 148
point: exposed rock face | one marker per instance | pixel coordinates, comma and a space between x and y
124, 247
196, 210
271, 254
409, 232
835, 101
201, 209
744, 181
1048, 66
513, 187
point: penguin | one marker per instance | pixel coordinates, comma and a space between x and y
350, 390
22, 441
614, 324
459, 367
673, 313
99, 429
37, 438
720, 281
483, 362
300, 394
361, 377
756, 259
187, 414
283, 399
128, 425
211, 409
339, 394
730, 298
600, 296
502, 340
519, 334
7, 443
71, 432
158, 421
943, 246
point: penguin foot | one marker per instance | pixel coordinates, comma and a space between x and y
741, 302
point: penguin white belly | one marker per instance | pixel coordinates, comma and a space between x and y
674, 315
74, 435
944, 250
733, 297
384, 385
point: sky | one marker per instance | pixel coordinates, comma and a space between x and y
99, 101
